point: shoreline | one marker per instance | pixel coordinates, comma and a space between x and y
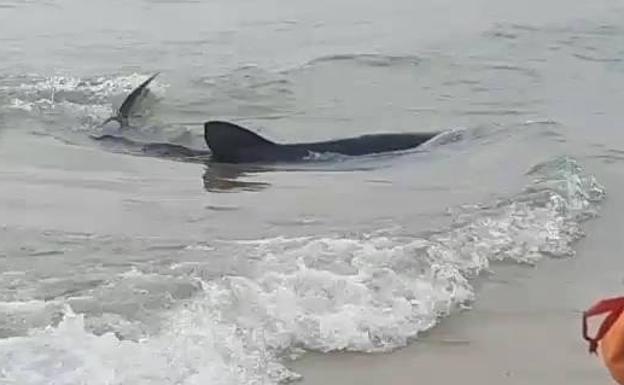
524, 327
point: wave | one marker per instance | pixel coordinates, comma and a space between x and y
86, 99
369, 59
369, 293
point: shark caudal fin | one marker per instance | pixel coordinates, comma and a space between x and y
230, 142
124, 112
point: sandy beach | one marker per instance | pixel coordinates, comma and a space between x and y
124, 262
524, 329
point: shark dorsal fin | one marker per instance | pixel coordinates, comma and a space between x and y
225, 139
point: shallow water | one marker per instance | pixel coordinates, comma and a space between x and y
117, 267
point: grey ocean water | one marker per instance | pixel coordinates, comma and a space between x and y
119, 268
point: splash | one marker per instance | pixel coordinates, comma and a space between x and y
369, 293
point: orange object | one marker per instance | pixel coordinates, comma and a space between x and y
610, 335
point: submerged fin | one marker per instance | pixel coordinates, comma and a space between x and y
123, 113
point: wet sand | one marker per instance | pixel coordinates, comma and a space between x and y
525, 327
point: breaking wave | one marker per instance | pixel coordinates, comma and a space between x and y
369, 293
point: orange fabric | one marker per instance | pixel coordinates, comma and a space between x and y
612, 349
610, 335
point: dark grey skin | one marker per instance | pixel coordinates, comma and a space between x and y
159, 150
123, 113
230, 143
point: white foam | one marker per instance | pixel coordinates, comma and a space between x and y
367, 293
22, 306
18, 104
101, 86
68, 354
91, 98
